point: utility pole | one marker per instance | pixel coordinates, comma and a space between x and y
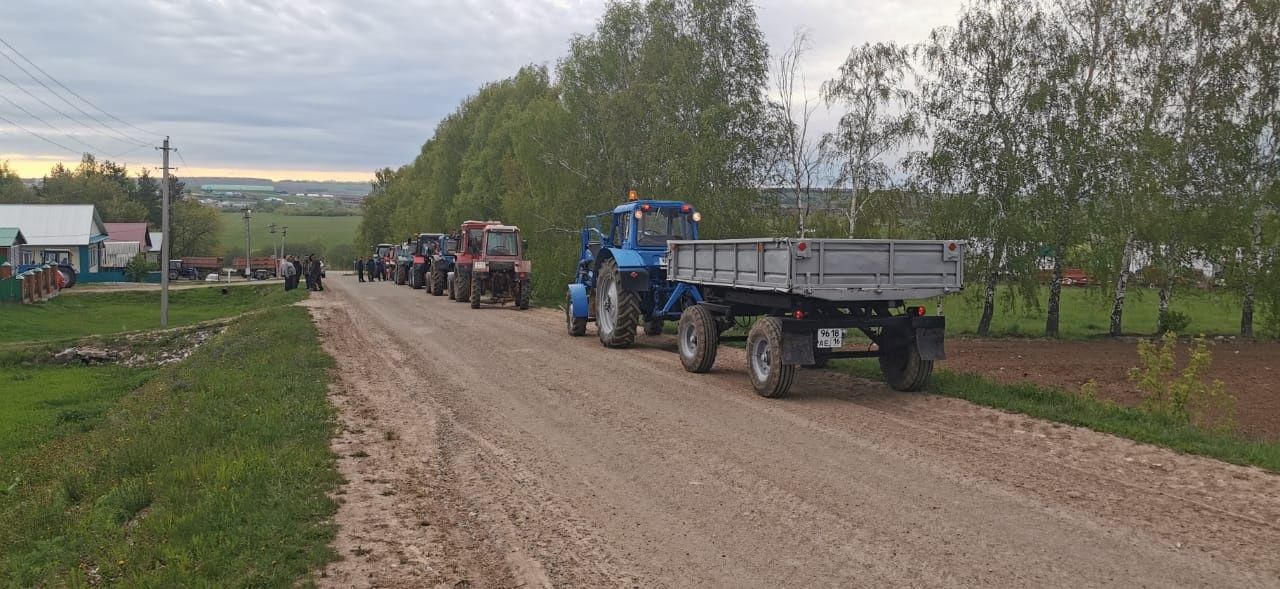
284, 232
248, 271
272, 229
164, 236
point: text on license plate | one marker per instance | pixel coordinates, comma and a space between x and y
830, 337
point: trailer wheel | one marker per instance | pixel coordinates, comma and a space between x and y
770, 377
526, 293
437, 283
905, 370
475, 291
653, 327
617, 309
698, 338
462, 287
577, 326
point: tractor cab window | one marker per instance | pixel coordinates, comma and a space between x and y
59, 257
451, 245
503, 243
473, 241
657, 227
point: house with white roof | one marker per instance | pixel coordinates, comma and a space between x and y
66, 235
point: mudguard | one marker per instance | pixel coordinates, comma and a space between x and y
631, 262
578, 297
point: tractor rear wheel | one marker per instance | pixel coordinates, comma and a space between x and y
475, 291
617, 309
526, 292
698, 338
462, 286
904, 370
577, 326
770, 377
437, 283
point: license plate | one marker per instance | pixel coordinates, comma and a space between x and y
830, 338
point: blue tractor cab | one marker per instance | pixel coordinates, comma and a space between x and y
621, 280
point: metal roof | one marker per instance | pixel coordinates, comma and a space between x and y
11, 236
130, 232
55, 224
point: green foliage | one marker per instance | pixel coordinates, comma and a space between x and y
213, 473
138, 267
1182, 396
1172, 322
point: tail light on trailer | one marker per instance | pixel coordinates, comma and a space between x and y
799, 314
917, 311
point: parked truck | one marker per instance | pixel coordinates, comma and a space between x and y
470, 239
499, 272
648, 266
263, 267
204, 264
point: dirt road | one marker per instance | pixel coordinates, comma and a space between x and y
486, 448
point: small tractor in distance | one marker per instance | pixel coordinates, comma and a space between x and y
422, 250
404, 261
441, 263
621, 279
470, 238
499, 273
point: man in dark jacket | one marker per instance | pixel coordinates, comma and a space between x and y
297, 266
360, 269
317, 274
382, 268
371, 268
307, 271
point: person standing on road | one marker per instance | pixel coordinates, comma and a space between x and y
381, 268
371, 268
308, 272
297, 270
290, 275
360, 268
318, 279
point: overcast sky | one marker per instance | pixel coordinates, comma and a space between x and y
322, 88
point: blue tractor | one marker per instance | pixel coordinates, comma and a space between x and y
621, 282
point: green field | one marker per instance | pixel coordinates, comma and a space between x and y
1086, 313
304, 231
86, 314
211, 472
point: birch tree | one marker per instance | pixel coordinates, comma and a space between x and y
800, 158
878, 120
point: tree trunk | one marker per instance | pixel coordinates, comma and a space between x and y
989, 295
1166, 293
1122, 287
853, 212
1246, 306
1055, 297
1246, 312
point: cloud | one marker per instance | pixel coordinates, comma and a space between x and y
331, 85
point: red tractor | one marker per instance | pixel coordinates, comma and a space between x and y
498, 272
470, 240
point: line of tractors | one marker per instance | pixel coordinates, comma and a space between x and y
483, 263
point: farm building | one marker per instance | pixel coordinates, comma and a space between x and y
67, 235
156, 237
11, 242
124, 241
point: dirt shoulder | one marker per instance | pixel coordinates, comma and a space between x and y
487, 446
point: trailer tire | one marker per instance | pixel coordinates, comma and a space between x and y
617, 309
577, 326
653, 327
438, 280
526, 293
462, 287
474, 291
698, 338
904, 370
769, 376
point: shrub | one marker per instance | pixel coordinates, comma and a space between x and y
1182, 396
137, 268
1173, 322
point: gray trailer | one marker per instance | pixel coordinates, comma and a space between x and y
806, 293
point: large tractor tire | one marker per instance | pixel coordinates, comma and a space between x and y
400, 276
438, 280
526, 294
173, 275
770, 377
475, 291
69, 276
462, 286
904, 369
577, 326
698, 339
617, 309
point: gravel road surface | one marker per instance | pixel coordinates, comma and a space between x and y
487, 448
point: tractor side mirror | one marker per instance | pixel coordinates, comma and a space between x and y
524, 244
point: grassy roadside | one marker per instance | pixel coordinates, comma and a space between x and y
1065, 407
215, 472
67, 317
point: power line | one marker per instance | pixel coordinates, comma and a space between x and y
68, 102
73, 92
39, 136
47, 124
50, 106
180, 158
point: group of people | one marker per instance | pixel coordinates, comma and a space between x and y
377, 268
311, 269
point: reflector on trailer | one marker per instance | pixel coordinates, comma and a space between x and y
802, 246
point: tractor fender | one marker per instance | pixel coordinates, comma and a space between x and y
578, 297
626, 259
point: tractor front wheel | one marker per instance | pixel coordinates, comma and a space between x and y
577, 326
526, 293
475, 291
770, 377
698, 338
438, 280
462, 286
617, 309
